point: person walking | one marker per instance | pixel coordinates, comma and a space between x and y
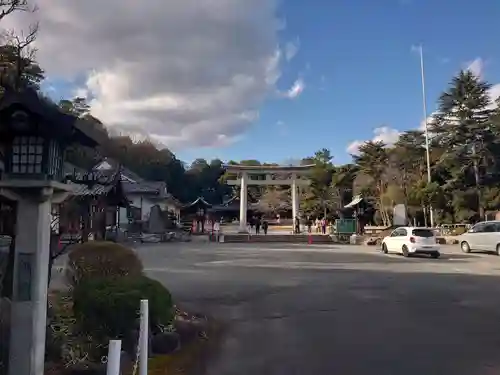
297, 225
318, 225
323, 226
216, 231
257, 226
265, 226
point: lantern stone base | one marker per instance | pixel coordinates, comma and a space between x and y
32, 251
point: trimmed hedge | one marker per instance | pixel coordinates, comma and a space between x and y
101, 259
109, 308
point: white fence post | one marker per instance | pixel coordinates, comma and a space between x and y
144, 338
114, 354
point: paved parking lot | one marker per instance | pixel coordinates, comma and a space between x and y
299, 309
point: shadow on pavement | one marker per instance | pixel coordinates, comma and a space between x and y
348, 321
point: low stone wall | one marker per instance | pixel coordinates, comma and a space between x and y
374, 230
287, 238
448, 240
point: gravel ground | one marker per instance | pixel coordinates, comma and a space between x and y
299, 309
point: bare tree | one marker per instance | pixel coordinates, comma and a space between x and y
10, 6
18, 67
24, 52
16, 51
274, 200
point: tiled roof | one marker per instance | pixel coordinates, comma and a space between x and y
198, 200
145, 187
92, 183
81, 190
131, 184
126, 173
230, 200
103, 177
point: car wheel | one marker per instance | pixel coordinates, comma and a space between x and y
497, 250
465, 247
384, 248
436, 255
406, 253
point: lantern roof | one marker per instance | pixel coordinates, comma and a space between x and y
62, 126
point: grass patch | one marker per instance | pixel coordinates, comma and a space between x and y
191, 359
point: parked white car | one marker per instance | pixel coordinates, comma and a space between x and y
484, 236
411, 240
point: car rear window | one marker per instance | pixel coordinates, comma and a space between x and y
422, 233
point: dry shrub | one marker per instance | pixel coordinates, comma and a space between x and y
101, 260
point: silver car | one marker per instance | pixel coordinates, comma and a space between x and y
484, 236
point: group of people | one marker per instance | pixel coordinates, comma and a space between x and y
320, 224
259, 224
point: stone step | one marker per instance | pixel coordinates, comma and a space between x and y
290, 238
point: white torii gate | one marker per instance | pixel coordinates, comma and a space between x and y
244, 179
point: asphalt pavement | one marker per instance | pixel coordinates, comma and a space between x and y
330, 309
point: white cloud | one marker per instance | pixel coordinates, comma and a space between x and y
353, 147
476, 67
494, 94
384, 134
186, 73
390, 136
296, 89
291, 49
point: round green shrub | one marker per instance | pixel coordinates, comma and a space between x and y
101, 259
109, 308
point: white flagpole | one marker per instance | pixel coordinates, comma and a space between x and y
427, 153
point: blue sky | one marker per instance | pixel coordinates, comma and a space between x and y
204, 79
360, 72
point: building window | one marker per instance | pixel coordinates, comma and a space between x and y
27, 155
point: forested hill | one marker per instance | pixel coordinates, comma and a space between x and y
185, 181
204, 178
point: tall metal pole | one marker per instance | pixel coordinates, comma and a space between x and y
427, 153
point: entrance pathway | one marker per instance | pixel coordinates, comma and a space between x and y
295, 309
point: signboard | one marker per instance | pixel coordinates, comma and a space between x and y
345, 226
25, 262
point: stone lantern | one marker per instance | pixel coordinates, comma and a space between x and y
33, 137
